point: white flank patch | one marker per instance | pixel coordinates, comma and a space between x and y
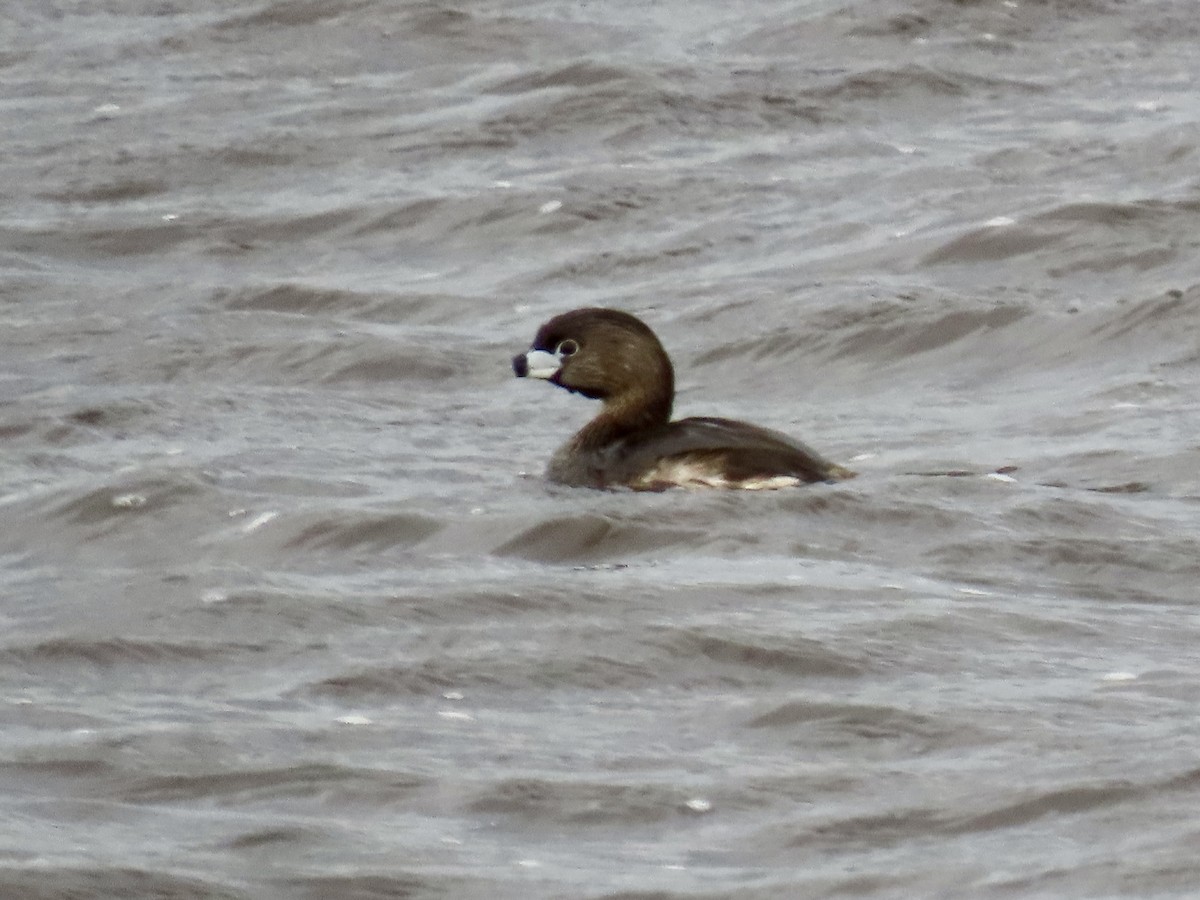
690, 474
773, 483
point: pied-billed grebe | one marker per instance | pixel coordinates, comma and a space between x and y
609, 355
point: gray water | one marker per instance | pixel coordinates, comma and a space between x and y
289, 611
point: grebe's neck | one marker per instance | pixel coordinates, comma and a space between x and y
634, 411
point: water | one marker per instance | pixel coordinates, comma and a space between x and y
289, 611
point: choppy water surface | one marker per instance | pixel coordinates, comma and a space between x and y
288, 611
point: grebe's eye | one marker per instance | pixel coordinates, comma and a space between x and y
567, 348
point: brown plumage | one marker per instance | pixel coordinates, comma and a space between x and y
609, 355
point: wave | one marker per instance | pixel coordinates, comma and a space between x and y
589, 538
235, 786
55, 653
570, 801
51, 882
1074, 238
354, 531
